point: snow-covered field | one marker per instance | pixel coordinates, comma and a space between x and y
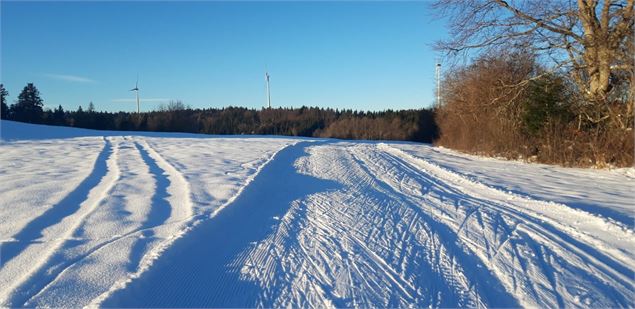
132, 219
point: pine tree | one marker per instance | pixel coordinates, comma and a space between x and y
4, 111
79, 119
28, 108
58, 115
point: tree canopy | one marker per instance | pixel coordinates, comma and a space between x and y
4, 111
29, 105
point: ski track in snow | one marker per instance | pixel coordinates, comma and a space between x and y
377, 227
264, 222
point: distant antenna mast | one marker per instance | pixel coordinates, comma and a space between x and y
268, 90
438, 77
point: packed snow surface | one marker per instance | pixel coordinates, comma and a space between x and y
133, 219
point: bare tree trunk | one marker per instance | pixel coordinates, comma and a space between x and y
597, 50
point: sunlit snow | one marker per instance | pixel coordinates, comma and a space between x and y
137, 219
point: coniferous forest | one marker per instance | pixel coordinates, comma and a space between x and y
407, 125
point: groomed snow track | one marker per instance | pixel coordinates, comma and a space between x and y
302, 224
363, 225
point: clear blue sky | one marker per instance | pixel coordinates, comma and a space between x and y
358, 55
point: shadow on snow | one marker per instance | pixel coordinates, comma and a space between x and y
159, 212
66, 207
195, 271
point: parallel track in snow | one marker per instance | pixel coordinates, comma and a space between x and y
61, 219
540, 255
315, 224
406, 232
83, 240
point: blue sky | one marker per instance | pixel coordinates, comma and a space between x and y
358, 55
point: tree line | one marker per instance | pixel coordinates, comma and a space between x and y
408, 125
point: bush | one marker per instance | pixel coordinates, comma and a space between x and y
502, 105
546, 102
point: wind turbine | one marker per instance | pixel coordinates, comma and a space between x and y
136, 90
268, 91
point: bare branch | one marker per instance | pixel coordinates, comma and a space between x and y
539, 22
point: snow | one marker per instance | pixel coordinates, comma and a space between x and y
132, 219
608, 193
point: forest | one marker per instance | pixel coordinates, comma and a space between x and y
175, 116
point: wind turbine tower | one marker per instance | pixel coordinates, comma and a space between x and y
437, 73
268, 90
136, 90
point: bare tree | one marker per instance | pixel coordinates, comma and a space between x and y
591, 38
173, 105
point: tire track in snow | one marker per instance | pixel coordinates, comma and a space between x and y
98, 233
191, 221
179, 198
160, 209
144, 243
193, 274
92, 191
69, 205
179, 190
